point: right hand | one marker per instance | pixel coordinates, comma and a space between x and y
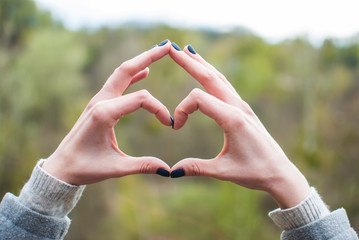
89, 153
250, 156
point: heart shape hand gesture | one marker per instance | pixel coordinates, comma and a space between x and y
250, 156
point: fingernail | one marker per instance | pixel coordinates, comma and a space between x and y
177, 173
152, 47
176, 46
190, 48
172, 121
163, 172
163, 43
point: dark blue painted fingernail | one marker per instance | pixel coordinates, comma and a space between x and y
178, 173
190, 48
163, 43
163, 172
172, 121
176, 46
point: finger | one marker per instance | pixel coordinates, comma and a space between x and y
139, 76
205, 76
223, 113
193, 54
121, 78
110, 111
140, 165
194, 167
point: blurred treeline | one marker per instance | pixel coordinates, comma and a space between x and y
307, 96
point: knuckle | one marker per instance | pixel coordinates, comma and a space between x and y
247, 109
222, 76
145, 168
181, 110
90, 105
195, 169
210, 74
237, 121
95, 99
117, 70
144, 94
124, 67
196, 93
98, 112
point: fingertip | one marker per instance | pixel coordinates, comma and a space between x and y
177, 173
165, 120
161, 44
159, 109
177, 125
175, 54
145, 72
162, 48
181, 115
176, 47
191, 49
172, 121
139, 76
180, 120
163, 172
166, 45
164, 42
194, 167
168, 119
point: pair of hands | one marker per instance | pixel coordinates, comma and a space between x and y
250, 156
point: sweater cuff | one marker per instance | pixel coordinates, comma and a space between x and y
309, 210
48, 195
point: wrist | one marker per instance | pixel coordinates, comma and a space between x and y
289, 188
56, 167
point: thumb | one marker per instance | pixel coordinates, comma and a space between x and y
194, 167
146, 165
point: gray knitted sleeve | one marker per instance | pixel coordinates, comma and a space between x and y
40, 212
312, 220
48, 195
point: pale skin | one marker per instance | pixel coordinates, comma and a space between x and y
250, 156
89, 153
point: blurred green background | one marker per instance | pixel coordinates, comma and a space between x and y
306, 96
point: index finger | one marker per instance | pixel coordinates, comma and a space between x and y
204, 75
122, 76
193, 54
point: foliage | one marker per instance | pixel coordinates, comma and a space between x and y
306, 96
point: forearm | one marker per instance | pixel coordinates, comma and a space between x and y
41, 210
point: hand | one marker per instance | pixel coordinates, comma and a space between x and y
89, 153
250, 156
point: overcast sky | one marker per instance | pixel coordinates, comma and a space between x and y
274, 20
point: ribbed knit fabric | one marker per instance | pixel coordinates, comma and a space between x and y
335, 226
21, 223
48, 195
309, 210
